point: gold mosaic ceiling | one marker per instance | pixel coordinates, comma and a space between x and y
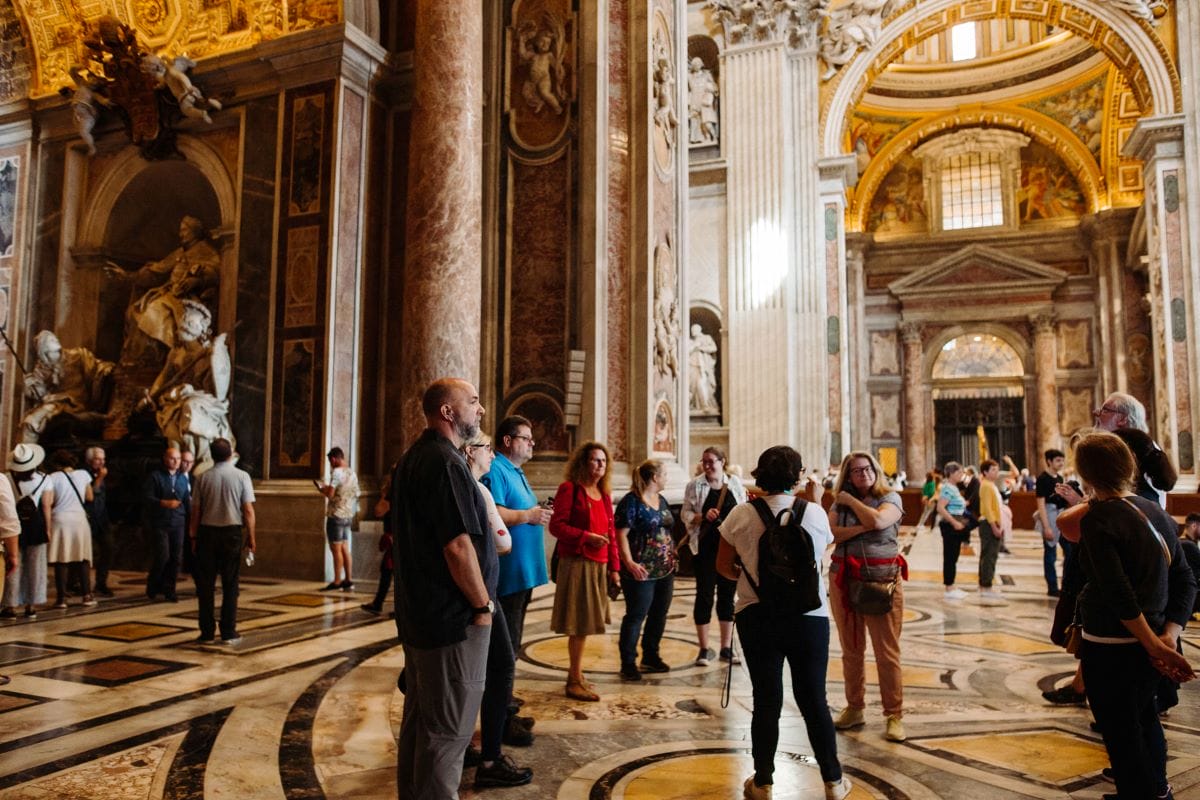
196, 28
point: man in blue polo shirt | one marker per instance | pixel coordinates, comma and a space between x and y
523, 569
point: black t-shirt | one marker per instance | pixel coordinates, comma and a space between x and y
435, 499
1191, 552
1045, 489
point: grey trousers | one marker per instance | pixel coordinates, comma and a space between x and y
444, 687
989, 551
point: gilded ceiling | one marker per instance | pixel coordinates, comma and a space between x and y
50, 30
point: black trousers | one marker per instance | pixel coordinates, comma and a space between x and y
102, 552
218, 552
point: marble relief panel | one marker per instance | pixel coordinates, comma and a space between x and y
295, 448
1074, 343
345, 284
1074, 410
300, 276
884, 358
541, 72
308, 152
885, 416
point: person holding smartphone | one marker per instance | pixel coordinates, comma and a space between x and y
341, 493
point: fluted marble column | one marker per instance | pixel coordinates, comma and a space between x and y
1159, 143
915, 423
778, 369
1045, 358
442, 259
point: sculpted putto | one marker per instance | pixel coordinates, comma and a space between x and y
852, 27
173, 75
542, 50
72, 382
664, 91
190, 394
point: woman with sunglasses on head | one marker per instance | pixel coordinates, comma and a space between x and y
865, 519
588, 558
707, 501
1136, 601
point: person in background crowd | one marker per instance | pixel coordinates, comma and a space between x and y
1125, 416
524, 569
1049, 504
991, 533
772, 635
221, 524
166, 494
953, 523
10, 533
102, 540
70, 547
1188, 539
707, 501
587, 552
27, 586
643, 520
865, 519
341, 496
387, 564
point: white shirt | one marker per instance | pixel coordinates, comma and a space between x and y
65, 497
499, 530
743, 528
344, 503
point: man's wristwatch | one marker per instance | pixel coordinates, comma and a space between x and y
490, 608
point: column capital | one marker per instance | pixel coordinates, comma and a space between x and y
910, 332
1156, 137
748, 22
1043, 322
838, 174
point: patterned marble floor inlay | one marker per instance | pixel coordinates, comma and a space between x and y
118, 702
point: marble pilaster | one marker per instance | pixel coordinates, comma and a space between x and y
857, 338
1045, 362
443, 229
1105, 233
777, 260
915, 422
836, 175
1159, 143
16, 147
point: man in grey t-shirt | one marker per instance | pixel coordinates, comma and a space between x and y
222, 502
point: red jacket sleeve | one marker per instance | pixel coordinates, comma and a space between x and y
560, 521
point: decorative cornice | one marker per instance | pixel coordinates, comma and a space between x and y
1156, 136
793, 22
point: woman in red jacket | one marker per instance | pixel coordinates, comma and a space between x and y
587, 557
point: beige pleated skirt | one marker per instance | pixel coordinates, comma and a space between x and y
580, 597
70, 538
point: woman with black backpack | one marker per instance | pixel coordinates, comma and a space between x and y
776, 623
28, 587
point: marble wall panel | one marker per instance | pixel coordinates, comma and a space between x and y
707, 248
14, 163
300, 346
619, 232
1139, 350
834, 322
884, 358
885, 416
1075, 409
549, 427
344, 347
1178, 289
374, 269
540, 265
248, 406
1074, 344
392, 435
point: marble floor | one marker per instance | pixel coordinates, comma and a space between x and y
118, 702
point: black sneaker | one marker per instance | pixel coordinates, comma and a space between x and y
502, 772
525, 722
371, 609
516, 735
332, 586
729, 657
347, 586
654, 665
1065, 696
472, 758
629, 672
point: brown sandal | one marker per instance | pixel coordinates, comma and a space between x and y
577, 690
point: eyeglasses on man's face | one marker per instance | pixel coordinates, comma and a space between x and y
523, 436
1107, 410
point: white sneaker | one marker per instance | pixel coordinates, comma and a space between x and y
991, 597
954, 594
752, 791
836, 790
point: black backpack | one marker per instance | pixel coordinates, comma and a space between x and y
789, 578
33, 522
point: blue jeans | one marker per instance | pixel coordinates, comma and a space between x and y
803, 641
1121, 685
645, 602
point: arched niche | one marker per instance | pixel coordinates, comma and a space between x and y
130, 215
1004, 338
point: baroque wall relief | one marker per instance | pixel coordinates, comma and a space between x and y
884, 358
885, 416
1074, 344
1074, 410
666, 312
541, 69
665, 116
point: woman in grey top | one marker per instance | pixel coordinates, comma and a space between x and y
865, 518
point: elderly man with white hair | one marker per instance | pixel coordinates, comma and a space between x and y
1125, 416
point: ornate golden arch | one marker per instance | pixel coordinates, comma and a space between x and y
1090, 25
1054, 135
